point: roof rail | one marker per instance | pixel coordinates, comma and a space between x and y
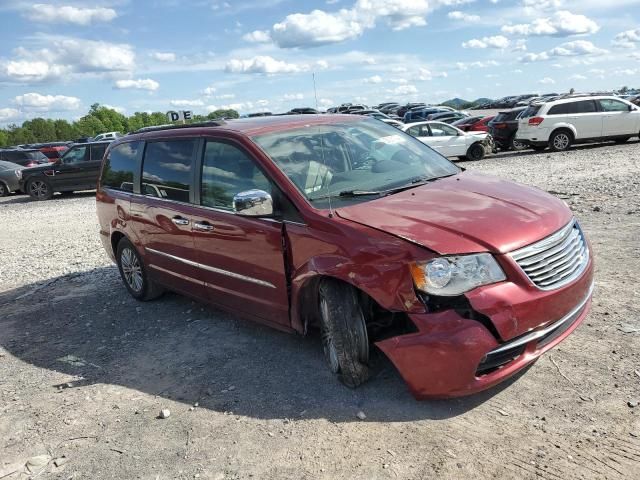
171, 126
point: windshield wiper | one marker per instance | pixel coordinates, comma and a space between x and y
349, 193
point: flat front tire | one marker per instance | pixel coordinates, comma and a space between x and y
475, 152
134, 274
344, 332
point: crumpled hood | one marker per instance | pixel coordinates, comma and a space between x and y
465, 213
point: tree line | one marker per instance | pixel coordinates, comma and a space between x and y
100, 119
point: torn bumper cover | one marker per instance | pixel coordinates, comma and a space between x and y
452, 356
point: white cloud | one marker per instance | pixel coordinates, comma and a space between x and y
263, 64
116, 108
404, 90
627, 39
463, 17
209, 91
570, 49
9, 114
31, 70
164, 56
186, 103
497, 41
47, 103
547, 81
257, 36
46, 13
319, 27
293, 96
373, 79
139, 84
562, 24
479, 64
577, 76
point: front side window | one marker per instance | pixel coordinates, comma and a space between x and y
227, 171
75, 155
168, 169
610, 105
119, 167
341, 159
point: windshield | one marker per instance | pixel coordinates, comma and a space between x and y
364, 156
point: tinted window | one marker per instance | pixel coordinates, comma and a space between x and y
97, 151
167, 169
119, 168
414, 131
584, 106
513, 115
561, 109
75, 155
530, 111
613, 106
227, 171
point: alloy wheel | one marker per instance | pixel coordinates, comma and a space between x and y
561, 141
131, 269
38, 189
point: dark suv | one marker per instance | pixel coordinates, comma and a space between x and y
78, 169
343, 224
503, 129
23, 157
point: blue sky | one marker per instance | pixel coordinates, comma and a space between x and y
59, 57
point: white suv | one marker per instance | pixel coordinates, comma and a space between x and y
559, 123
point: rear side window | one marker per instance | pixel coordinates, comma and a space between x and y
530, 111
610, 105
584, 106
168, 169
227, 171
97, 151
560, 109
120, 166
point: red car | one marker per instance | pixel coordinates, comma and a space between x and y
345, 225
54, 151
475, 124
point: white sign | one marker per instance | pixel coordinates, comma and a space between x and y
180, 115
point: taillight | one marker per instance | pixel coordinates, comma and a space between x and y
499, 125
535, 121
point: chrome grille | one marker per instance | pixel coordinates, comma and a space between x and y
557, 260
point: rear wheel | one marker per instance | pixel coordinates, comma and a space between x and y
39, 189
134, 273
344, 332
560, 141
515, 144
475, 152
4, 191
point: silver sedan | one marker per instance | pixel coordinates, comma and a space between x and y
10, 174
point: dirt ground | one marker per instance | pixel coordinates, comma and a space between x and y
85, 369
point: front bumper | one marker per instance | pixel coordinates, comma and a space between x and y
452, 356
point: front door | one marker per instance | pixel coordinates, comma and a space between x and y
69, 175
618, 120
240, 258
161, 214
446, 141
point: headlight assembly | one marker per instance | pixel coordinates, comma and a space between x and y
450, 276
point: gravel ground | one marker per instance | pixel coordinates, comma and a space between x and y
85, 370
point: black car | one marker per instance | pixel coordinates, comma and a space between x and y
503, 129
78, 170
23, 157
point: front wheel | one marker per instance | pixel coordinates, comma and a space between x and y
344, 332
560, 141
4, 191
134, 274
39, 189
475, 152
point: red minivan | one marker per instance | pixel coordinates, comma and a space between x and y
346, 225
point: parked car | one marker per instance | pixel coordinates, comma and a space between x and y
384, 242
503, 129
10, 174
421, 114
106, 136
303, 111
78, 170
635, 100
392, 122
23, 157
574, 119
447, 117
450, 141
474, 124
53, 151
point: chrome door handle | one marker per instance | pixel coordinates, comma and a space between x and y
203, 227
180, 221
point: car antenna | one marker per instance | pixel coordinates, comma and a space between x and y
324, 162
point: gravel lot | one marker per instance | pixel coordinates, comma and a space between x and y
85, 370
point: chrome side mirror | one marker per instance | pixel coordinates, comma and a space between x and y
253, 203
